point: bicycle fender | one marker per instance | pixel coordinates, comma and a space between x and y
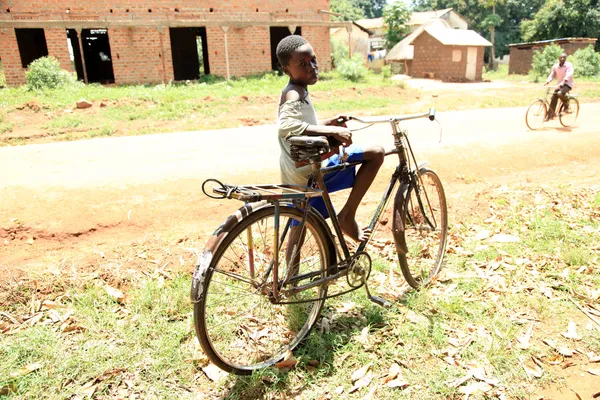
400, 205
205, 258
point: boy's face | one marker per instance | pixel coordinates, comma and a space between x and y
302, 67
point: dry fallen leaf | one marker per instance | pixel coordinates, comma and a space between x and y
533, 370
571, 331
371, 394
360, 373
594, 371
362, 382
339, 390
114, 293
474, 387
392, 373
397, 383
26, 370
214, 373
288, 361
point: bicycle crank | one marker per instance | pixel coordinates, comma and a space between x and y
359, 269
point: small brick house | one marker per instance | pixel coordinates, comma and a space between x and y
448, 54
129, 42
521, 54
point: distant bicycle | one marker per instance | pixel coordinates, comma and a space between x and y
538, 111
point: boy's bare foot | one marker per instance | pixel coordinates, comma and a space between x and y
351, 229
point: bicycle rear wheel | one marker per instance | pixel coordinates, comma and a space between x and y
238, 323
568, 117
536, 113
426, 222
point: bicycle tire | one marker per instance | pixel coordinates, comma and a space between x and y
569, 119
535, 115
238, 326
426, 229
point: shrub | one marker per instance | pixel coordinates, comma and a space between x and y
386, 71
353, 69
543, 61
339, 52
45, 73
586, 62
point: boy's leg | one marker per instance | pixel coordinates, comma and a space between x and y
372, 160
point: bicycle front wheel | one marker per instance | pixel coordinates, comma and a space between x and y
536, 113
239, 324
568, 116
426, 229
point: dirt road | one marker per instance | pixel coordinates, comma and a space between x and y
58, 199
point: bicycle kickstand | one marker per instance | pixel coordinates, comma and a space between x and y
376, 299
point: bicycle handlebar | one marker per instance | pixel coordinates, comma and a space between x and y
379, 120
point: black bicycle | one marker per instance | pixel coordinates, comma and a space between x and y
266, 272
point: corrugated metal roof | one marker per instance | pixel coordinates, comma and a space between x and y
456, 37
562, 40
416, 18
404, 50
422, 17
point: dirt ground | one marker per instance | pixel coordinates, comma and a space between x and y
72, 200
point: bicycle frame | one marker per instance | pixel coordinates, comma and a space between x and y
403, 174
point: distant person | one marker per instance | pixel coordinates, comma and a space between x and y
296, 116
563, 72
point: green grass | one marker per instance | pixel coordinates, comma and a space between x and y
147, 344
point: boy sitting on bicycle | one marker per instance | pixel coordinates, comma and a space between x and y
296, 116
563, 72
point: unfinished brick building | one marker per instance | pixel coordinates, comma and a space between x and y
521, 54
152, 41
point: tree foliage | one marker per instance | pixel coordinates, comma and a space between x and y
352, 10
45, 73
396, 15
564, 18
543, 61
508, 17
349, 10
586, 62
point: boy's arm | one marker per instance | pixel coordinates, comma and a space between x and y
569, 73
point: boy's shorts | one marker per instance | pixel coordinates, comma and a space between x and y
338, 180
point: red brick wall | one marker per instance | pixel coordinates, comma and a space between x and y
141, 55
56, 39
135, 6
431, 56
137, 54
248, 48
318, 36
521, 58
11, 59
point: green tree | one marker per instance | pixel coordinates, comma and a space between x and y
542, 62
372, 8
396, 15
509, 14
564, 18
348, 10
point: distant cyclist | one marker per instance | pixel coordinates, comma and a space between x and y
563, 72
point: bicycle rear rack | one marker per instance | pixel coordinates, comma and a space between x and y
253, 193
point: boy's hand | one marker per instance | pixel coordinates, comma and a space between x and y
344, 136
340, 120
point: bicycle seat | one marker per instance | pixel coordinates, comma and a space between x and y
303, 148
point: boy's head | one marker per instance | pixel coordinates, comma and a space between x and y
298, 59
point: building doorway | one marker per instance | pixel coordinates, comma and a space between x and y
277, 33
75, 53
189, 48
96, 52
32, 45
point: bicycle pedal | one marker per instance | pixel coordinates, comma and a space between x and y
380, 301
